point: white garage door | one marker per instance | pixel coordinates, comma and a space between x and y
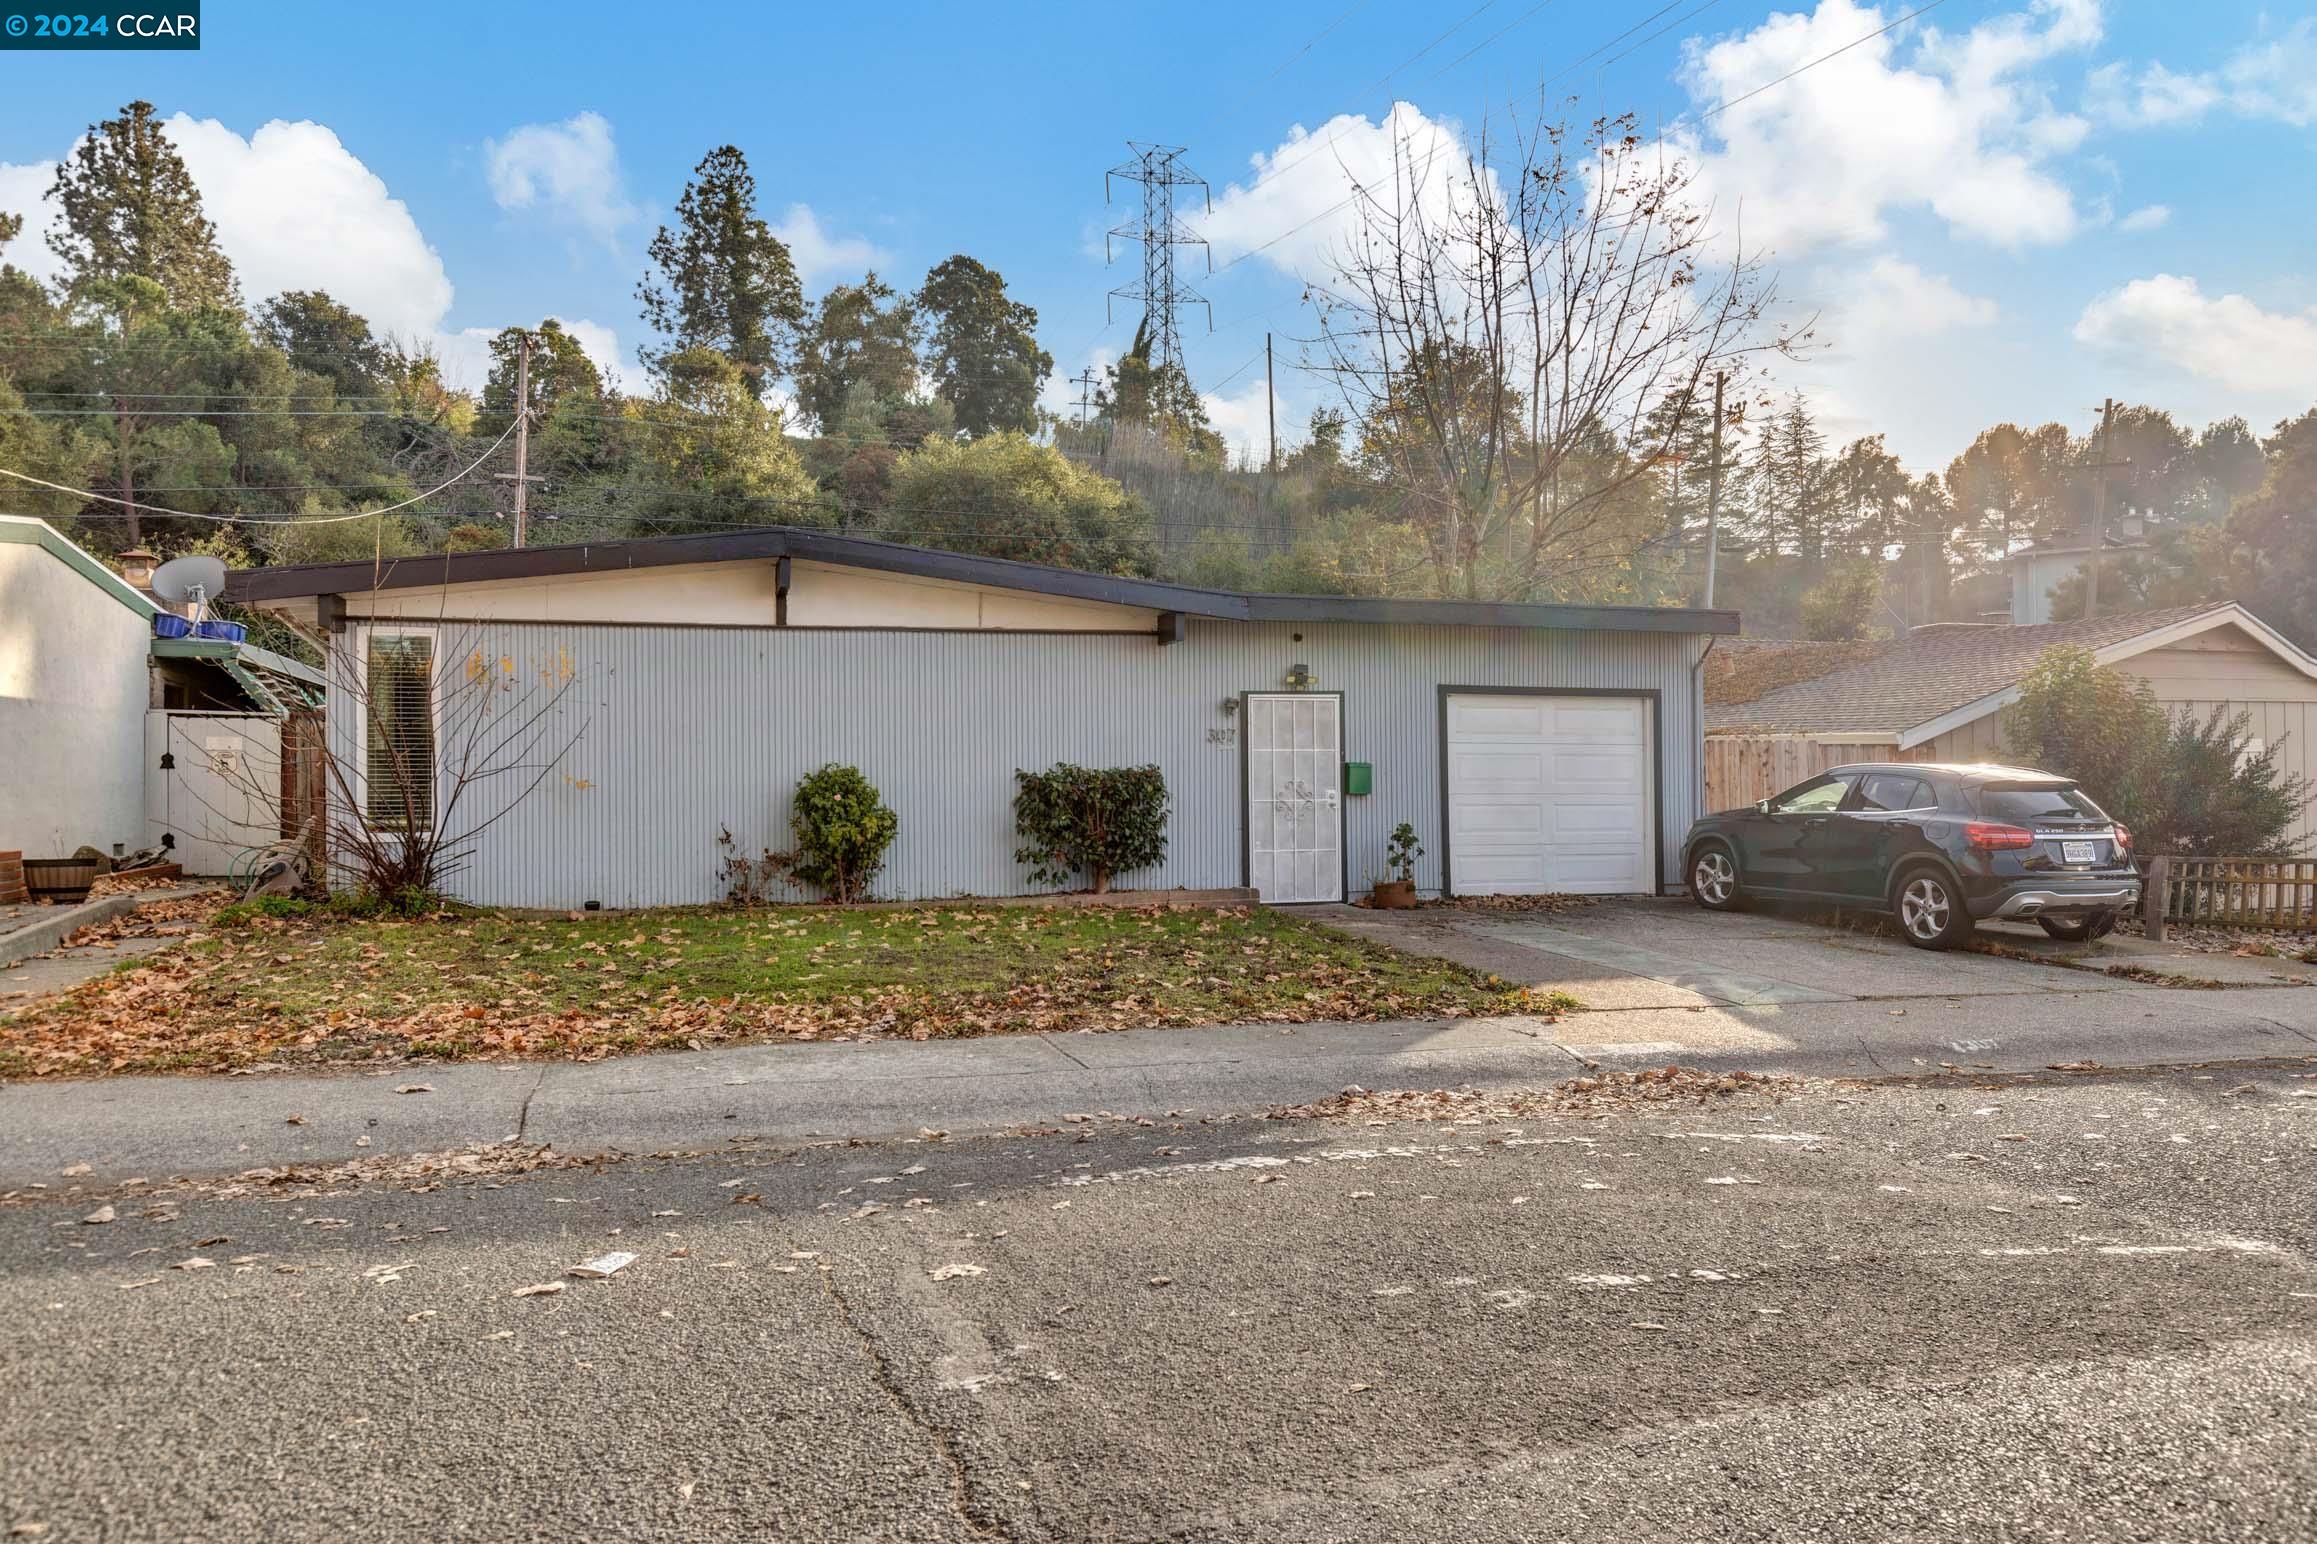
1549, 795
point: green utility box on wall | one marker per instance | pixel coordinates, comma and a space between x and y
1359, 778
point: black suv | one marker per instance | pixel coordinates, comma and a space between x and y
1939, 847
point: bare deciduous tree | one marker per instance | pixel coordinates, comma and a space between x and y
452, 739
1502, 330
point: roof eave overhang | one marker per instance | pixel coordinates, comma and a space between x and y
262, 585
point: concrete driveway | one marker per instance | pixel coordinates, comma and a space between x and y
1630, 953
1662, 978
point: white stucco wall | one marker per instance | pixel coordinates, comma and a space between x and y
72, 707
743, 595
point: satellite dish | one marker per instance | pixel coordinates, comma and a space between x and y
198, 578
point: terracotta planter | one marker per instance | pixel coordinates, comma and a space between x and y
1393, 894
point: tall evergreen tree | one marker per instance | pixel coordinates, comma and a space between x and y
131, 211
721, 279
863, 339
983, 354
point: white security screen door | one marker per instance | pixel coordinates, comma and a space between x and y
1295, 763
1549, 794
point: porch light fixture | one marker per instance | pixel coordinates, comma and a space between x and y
1300, 678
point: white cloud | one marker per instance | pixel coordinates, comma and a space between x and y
1298, 208
1893, 299
1952, 124
295, 209
2268, 78
2146, 218
22, 189
2227, 338
1241, 421
466, 354
570, 170
819, 255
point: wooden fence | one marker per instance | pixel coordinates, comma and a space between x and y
1742, 768
2230, 892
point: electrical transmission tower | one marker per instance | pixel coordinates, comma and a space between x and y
1158, 168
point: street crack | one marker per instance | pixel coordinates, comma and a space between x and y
977, 1520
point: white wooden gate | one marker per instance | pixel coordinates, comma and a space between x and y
1295, 754
213, 781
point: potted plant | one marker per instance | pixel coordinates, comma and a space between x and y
1400, 855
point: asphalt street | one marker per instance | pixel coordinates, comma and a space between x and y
2060, 1308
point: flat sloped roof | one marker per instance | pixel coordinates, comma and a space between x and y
765, 543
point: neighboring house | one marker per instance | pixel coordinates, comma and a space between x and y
116, 739
2038, 570
695, 679
1777, 713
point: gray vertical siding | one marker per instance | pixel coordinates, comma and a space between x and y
682, 731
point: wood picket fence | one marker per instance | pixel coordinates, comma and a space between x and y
2230, 892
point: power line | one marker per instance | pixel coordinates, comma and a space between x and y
132, 506
1821, 59
1492, 37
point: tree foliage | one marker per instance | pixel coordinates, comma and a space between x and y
2183, 784
130, 211
860, 352
721, 279
1005, 496
982, 351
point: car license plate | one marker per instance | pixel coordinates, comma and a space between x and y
2079, 852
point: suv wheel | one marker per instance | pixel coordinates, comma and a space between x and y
1713, 878
2079, 929
1930, 909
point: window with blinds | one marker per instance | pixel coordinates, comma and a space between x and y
399, 769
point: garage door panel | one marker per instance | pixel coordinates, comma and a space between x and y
1481, 818
1468, 719
1616, 721
1616, 873
1549, 794
1501, 771
1610, 770
1593, 822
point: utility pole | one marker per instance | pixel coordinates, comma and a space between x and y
1085, 380
522, 478
1155, 168
1270, 405
1714, 494
2099, 508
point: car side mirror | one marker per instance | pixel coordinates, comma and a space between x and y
1761, 806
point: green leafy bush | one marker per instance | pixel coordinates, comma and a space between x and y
1099, 821
842, 829
2184, 785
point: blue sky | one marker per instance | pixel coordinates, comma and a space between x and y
1997, 211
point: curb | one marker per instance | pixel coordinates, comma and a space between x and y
44, 935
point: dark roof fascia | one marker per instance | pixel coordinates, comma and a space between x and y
292, 581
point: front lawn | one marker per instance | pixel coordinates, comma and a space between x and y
316, 988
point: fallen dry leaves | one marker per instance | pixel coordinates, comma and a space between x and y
220, 1006
1600, 1093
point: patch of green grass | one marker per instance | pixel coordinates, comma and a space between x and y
1186, 964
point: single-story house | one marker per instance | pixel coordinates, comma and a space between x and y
1778, 712
680, 686
120, 740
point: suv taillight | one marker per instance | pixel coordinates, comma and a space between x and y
1988, 836
2123, 837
